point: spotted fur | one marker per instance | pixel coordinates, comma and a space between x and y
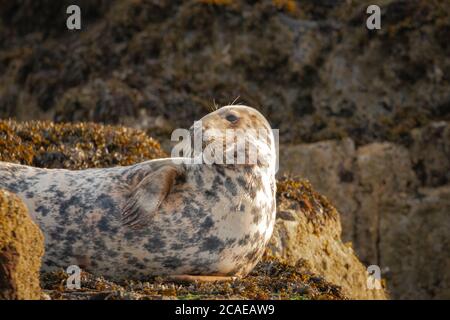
155, 217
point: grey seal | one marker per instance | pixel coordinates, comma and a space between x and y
158, 217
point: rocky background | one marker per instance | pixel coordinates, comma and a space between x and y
364, 115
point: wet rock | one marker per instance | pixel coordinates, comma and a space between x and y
21, 250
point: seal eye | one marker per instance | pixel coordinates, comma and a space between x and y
231, 118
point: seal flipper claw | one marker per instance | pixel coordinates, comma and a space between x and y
146, 197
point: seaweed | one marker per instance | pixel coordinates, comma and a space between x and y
74, 146
316, 207
270, 279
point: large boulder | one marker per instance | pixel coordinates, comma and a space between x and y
393, 203
21, 250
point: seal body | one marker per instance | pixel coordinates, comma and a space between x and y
153, 218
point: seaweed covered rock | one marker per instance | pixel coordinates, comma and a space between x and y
101, 101
271, 279
308, 233
21, 250
332, 76
74, 146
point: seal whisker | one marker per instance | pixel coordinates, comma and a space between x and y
215, 106
235, 100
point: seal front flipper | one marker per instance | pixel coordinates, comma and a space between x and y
146, 197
